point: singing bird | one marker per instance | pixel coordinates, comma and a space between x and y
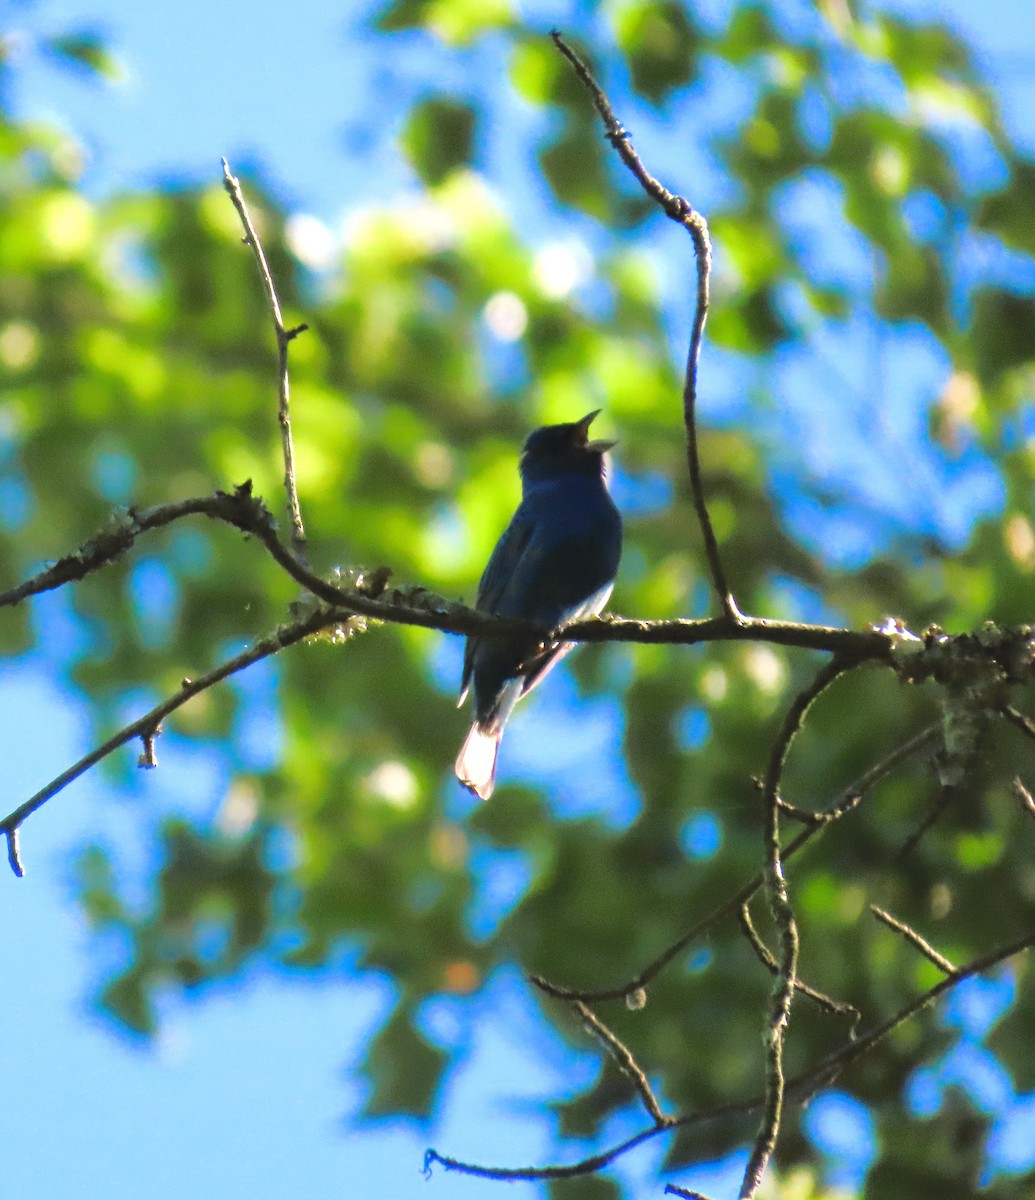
556, 562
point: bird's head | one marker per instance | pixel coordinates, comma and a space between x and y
563, 449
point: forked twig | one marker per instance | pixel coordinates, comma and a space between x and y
369, 595
683, 213
765, 956
285, 337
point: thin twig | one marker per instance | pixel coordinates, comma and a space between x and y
845, 803
914, 939
284, 337
941, 802
1025, 797
272, 644
683, 213
623, 1058
1024, 723
765, 956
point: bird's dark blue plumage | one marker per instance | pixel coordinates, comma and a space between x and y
556, 562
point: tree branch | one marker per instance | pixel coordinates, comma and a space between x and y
415, 605
682, 212
823, 1073
798, 1088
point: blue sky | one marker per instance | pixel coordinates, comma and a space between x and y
248, 1092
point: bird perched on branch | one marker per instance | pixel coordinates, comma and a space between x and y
556, 562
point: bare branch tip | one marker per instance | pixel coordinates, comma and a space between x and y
148, 760
919, 943
13, 854
1025, 796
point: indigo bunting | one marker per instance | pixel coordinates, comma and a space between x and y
556, 562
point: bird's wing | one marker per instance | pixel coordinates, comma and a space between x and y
508, 553
548, 656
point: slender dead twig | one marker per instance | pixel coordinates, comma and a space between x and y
1024, 723
845, 803
121, 531
940, 803
146, 725
624, 1059
285, 337
683, 213
914, 939
782, 997
1025, 797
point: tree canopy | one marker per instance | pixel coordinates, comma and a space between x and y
867, 460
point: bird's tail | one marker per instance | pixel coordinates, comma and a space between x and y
476, 762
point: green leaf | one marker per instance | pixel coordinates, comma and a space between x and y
1004, 333
661, 44
1008, 212
404, 1070
455, 22
750, 31
87, 51
574, 166
914, 285
584, 1187
542, 76
128, 1000
439, 137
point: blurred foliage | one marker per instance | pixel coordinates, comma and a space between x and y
139, 367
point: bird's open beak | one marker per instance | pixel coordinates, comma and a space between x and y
582, 434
